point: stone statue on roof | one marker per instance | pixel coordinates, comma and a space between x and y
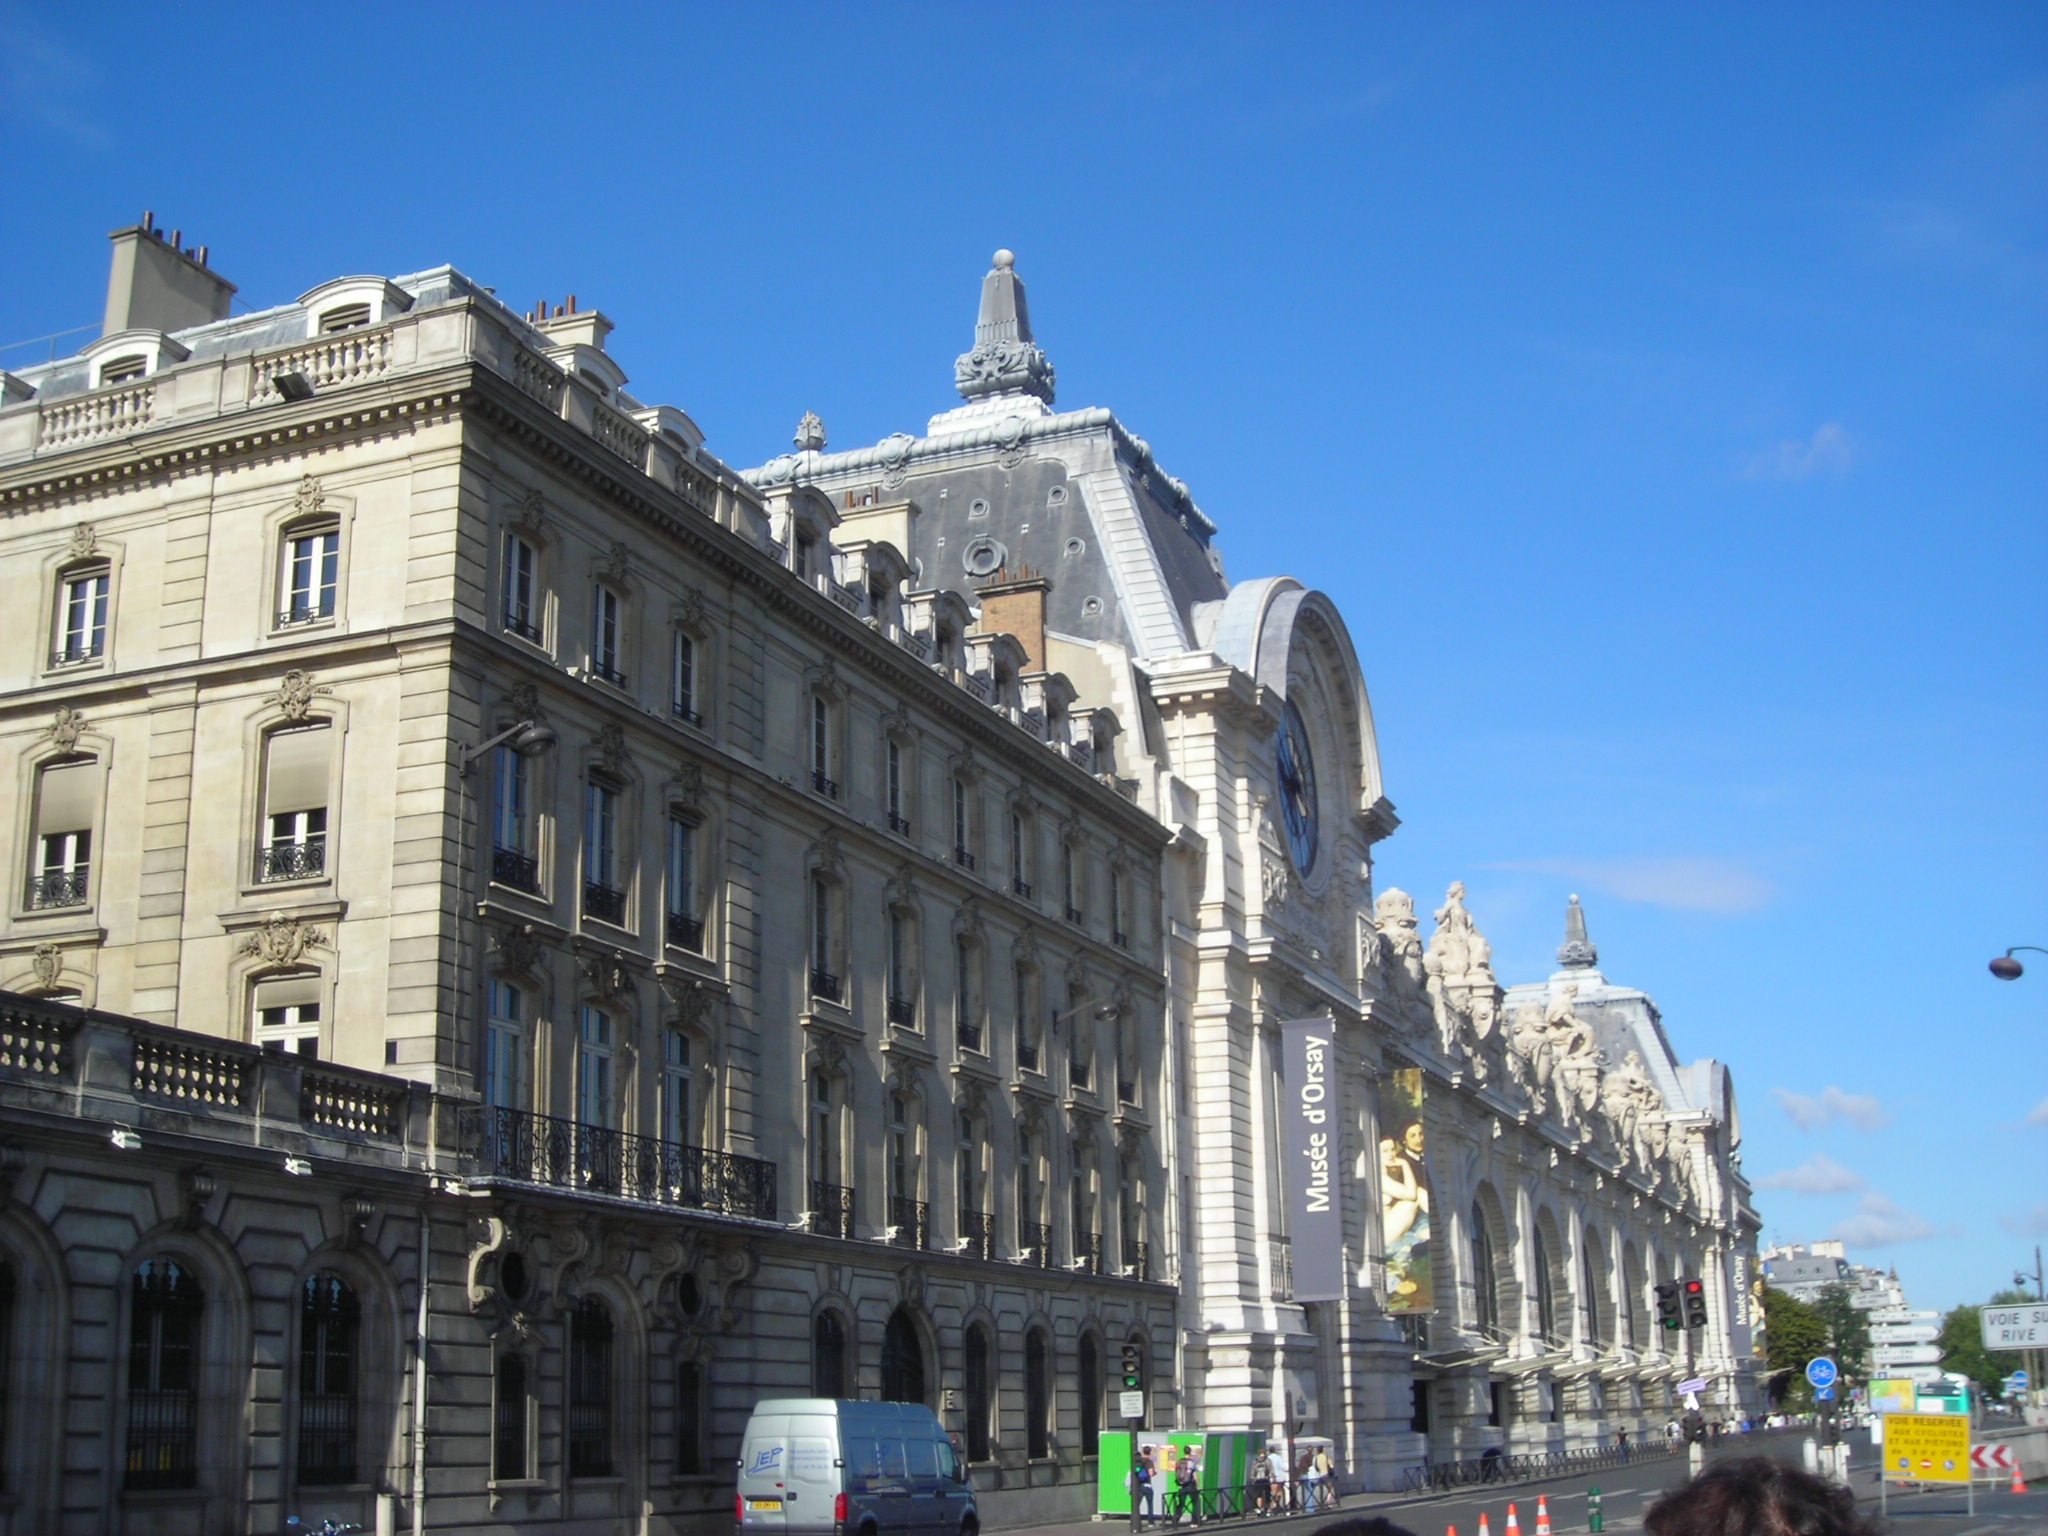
1004, 359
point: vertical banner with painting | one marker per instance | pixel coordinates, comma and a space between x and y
1404, 1193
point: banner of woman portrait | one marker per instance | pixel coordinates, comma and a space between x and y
1404, 1193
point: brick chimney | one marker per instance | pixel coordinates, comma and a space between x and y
1016, 606
154, 285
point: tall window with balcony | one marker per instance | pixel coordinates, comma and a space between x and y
81, 615
1024, 1008
295, 799
683, 920
969, 1026
1083, 1233
309, 573
1034, 1232
908, 1213
1485, 1283
826, 916
521, 609
166, 1306
977, 1222
330, 1320
590, 1390
1546, 1291
597, 1143
1128, 1056
287, 1014
679, 1108
1070, 878
964, 839
1119, 907
831, 1198
1130, 1214
1022, 872
1081, 1031
824, 746
604, 883
504, 1068
682, 685
893, 787
903, 968
607, 624
515, 860
67, 800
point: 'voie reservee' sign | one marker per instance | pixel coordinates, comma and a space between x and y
2021, 1327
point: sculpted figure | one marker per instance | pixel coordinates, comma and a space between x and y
1530, 1041
1401, 956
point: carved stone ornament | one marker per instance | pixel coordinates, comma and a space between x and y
524, 698
611, 749
195, 1188
85, 542
823, 679
828, 1058
810, 434
688, 794
901, 891
283, 940
529, 513
897, 725
1004, 368
604, 975
971, 1100
48, 963
295, 693
1024, 948
308, 498
689, 610
65, 728
825, 857
616, 565
967, 921
905, 1078
516, 950
691, 1000
964, 767
1009, 438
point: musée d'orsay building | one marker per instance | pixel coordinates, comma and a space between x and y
521, 939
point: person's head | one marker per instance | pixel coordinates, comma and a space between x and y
1756, 1497
1362, 1525
1412, 1137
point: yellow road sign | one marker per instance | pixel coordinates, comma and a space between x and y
1926, 1448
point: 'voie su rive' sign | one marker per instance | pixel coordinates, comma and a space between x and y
1312, 1136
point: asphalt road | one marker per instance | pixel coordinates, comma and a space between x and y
1625, 1493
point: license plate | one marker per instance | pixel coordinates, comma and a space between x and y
764, 1503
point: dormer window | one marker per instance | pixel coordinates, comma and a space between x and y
124, 369
344, 317
803, 557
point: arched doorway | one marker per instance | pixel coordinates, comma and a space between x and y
902, 1360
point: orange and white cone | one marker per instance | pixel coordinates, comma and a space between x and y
1450, 1530
1484, 1528
1514, 1526
2019, 1481
1542, 1515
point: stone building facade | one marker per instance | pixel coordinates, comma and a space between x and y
463, 833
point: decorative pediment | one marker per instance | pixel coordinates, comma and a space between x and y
824, 855
964, 767
823, 680
283, 940
687, 791
296, 691
65, 727
604, 975
47, 963
309, 499
529, 515
615, 566
516, 951
689, 610
85, 542
901, 891
967, 921
612, 751
524, 700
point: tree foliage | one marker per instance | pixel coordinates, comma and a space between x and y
1962, 1350
1848, 1328
1793, 1334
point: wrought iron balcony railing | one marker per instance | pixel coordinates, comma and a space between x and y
59, 887
519, 870
604, 672
1027, 1056
899, 825
687, 715
1074, 915
970, 1037
603, 902
824, 784
978, 1232
293, 861
831, 1209
963, 857
685, 931
77, 651
910, 1222
1120, 939
902, 1010
1034, 1243
524, 628
1088, 1252
564, 1154
824, 984
1022, 888
305, 613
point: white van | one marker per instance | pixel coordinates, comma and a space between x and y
810, 1466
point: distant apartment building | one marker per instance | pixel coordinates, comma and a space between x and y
1901, 1339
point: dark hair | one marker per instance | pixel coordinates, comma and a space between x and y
1756, 1497
1362, 1525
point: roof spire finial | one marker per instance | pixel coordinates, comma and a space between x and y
1005, 360
1576, 953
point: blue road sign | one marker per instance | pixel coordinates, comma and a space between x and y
1821, 1371
2018, 1379
1824, 1394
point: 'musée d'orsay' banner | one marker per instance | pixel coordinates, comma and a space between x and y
1312, 1136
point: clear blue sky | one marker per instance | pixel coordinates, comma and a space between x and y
1659, 390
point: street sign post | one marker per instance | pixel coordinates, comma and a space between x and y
2019, 1379
1821, 1371
2021, 1327
1824, 1394
1991, 1459
1131, 1404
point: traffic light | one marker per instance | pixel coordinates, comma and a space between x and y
1667, 1305
1695, 1304
1134, 1369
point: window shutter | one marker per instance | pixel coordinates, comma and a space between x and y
298, 764
69, 795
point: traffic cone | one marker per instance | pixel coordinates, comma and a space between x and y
1514, 1526
2019, 1481
1542, 1515
1484, 1528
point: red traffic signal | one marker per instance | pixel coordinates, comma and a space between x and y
1695, 1304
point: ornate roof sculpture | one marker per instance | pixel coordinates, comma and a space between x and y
1004, 359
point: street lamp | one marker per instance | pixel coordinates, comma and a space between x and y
2005, 968
529, 738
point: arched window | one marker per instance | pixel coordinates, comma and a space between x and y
1088, 1375
979, 1383
1485, 1289
1599, 1317
902, 1361
1546, 1294
163, 1368
590, 1389
828, 1356
329, 1327
1037, 1396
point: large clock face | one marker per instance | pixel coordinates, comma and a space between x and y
1297, 772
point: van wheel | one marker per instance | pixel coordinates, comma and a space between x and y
868, 1529
969, 1527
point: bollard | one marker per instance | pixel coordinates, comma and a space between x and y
1810, 1453
1696, 1459
1593, 1516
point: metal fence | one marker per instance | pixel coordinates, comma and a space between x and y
1441, 1476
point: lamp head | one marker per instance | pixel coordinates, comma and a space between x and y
533, 739
2005, 968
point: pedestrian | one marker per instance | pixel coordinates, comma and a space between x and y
1141, 1482
1326, 1472
1621, 1441
1187, 1478
1489, 1465
1282, 1490
1262, 1486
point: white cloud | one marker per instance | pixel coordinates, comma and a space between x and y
2038, 1115
1880, 1221
1827, 453
1689, 885
1818, 1175
2032, 1223
1810, 1111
